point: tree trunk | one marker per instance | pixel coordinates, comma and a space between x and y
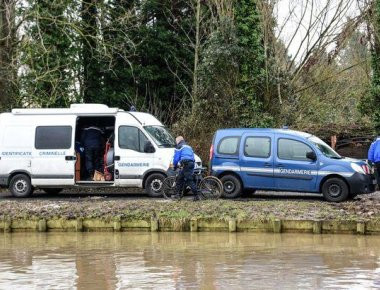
196, 55
7, 71
91, 79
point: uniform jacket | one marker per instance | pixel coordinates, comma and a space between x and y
374, 151
92, 137
183, 152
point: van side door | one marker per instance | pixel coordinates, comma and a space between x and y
293, 170
53, 157
131, 162
256, 155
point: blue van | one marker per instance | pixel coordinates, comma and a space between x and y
285, 160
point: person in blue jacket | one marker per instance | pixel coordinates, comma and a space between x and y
184, 156
374, 157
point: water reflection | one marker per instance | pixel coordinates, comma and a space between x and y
187, 260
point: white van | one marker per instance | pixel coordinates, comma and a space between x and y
39, 149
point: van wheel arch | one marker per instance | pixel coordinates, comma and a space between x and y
14, 173
231, 173
335, 189
149, 173
240, 186
20, 185
333, 176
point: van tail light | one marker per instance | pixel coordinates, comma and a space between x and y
366, 169
211, 152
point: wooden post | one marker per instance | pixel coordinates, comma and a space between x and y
79, 225
154, 224
7, 225
317, 227
42, 225
232, 225
117, 225
333, 142
193, 225
277, 226
360, 228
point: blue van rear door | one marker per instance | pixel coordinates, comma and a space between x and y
292, 170
256, 160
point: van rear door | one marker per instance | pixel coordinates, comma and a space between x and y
256, 155
131, 162
53, 158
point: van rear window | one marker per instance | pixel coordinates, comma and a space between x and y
229, 146
53, 137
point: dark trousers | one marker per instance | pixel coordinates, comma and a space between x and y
377, 173
186, 178
94, 160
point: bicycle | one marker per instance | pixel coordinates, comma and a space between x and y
210, 187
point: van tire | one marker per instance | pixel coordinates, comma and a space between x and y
335, 190
153, 184
232, 187
21, 186
52, 191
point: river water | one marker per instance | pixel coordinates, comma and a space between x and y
188, 260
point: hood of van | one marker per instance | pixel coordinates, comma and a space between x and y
345, 162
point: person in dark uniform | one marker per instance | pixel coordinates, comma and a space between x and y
93, 142
184, 156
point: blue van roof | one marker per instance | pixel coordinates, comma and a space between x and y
240, 131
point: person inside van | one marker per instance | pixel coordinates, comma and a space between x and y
92, 140
184, 157
374, 157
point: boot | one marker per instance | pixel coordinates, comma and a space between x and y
197, 197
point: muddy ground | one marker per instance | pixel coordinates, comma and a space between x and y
136, 205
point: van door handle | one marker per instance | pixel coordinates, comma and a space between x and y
116, 158
70, 158
267, 164
280, 165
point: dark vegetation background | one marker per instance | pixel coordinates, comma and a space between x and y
199, 65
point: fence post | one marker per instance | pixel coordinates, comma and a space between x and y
334, 139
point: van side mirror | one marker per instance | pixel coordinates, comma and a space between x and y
311, 155
149, 148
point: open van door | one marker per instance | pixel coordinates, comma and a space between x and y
53, 158
132, 159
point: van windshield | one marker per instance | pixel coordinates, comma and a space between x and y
161, 136
324, 148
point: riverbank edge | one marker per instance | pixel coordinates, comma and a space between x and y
9, 225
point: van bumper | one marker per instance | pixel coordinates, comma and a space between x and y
361, 183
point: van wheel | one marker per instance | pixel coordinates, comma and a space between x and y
20, 186
52, 191
232, 187
153, 185
335, 190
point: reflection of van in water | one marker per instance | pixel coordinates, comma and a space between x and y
285, 160
38, 149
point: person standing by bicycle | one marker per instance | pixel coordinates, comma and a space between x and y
184, 156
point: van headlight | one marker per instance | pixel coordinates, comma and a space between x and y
357, 168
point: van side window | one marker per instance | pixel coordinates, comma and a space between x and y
293, 150
229, 146
53, 137
132, 138
259, 147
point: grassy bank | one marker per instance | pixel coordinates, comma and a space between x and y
366, 208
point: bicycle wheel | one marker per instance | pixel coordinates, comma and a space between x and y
211, 187
168, 187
